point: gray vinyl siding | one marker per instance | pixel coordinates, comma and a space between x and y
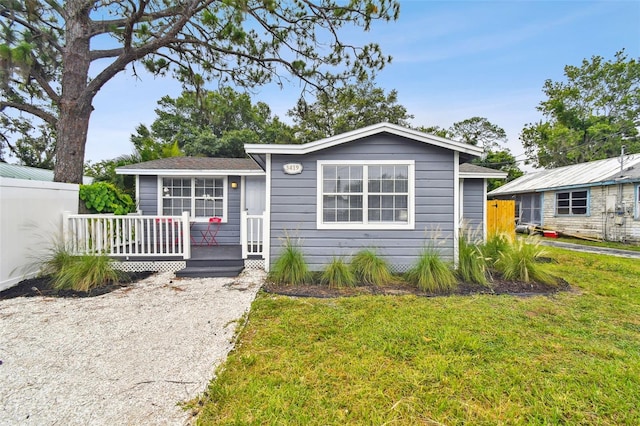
229, 233
473, 202
294, 199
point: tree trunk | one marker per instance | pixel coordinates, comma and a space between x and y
75, 102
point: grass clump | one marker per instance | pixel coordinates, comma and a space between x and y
78, 273
431, 273
338, 275
520, 262
495, 244
370, 268
290, 268
86, 272
472, 265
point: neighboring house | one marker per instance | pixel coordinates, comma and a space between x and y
384, 187
599, 199
15, 171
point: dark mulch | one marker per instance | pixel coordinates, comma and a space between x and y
498, 286
42, 286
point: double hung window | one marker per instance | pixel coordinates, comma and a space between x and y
356, 195
201, 197
572, 203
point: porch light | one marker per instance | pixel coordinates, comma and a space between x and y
234, 185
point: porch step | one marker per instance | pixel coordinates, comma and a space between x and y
209, 271
202, 268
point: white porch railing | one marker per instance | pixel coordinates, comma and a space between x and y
127, 236
252, 234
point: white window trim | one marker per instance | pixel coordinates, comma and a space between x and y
192, 217
373, 225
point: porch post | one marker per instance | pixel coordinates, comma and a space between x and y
186, 236
243, 233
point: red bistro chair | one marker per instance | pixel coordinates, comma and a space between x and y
209, 235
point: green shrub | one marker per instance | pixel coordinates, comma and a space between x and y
290, 268
103, 197
86, 272
472, 265
519, 262
431, 273
338, 275
369, 268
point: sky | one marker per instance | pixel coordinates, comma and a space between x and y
452, 60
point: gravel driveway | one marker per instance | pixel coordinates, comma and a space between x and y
127, 357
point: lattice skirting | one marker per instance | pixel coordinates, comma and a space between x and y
156, 266
254, 263
400, 269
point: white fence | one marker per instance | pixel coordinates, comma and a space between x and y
30, 212
128, 236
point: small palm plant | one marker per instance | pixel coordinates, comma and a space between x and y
370, 268
338, 275
519, 262
431, 273
290, 268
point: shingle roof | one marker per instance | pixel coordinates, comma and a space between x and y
584, 174
475, 169
192, 164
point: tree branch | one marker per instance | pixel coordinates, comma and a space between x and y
35, 30
31, 109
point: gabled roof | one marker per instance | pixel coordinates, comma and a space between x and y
16, 171
468, 170
353, 135
593, 173
191, 166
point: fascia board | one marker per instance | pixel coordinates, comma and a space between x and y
190, 172
483, 175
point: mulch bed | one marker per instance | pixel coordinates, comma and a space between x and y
42, 286
498, 286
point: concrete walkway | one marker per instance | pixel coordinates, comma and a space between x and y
591, 249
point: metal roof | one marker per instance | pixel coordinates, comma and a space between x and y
17, 171
593, 173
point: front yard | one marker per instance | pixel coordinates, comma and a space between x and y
572, 357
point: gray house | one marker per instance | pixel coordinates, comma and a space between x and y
383, 186
598, 199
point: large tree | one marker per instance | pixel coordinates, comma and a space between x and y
338, 110
479, 131
590, 116
215, 123
55, 56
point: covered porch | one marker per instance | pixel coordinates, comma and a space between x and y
165, 243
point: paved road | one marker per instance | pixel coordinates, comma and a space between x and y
591, 249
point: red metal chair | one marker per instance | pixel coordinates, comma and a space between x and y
209, 235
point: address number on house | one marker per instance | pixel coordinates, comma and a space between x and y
292, 168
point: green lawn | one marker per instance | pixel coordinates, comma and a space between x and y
569, 358
608, 244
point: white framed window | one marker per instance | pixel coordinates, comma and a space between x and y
572, 203
202, 197
366, 195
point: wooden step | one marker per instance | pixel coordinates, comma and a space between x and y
209, 271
